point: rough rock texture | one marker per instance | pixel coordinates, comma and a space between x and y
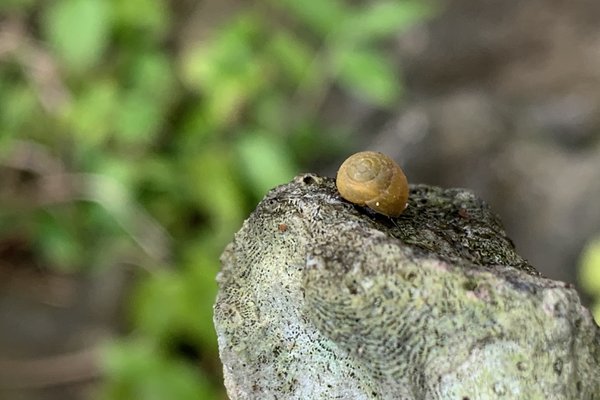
320, 299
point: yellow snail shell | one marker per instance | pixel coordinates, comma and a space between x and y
375, 180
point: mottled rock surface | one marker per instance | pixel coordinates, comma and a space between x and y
320, 299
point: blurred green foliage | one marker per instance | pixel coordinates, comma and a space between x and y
589, 274
150, 152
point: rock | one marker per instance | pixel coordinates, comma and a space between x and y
321, 299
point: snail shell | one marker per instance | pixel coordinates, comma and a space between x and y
374, 180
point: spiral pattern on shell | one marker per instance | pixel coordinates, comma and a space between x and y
374, 180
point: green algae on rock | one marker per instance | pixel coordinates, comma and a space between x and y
436, 304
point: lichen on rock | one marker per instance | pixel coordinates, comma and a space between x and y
321, 299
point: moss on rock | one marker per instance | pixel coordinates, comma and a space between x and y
321, 299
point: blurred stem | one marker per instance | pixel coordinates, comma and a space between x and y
61, 369
59, 186
37, 62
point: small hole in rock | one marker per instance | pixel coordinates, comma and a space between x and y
308, 180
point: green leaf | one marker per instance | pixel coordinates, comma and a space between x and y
190, 294
596, 311
321, 16
271, 110
229, 56
78, 31
20, 108
152, 73
154, 315
369, 75
140, 370
145, 101
210, 180
382, 19
589, 271
120, 169
16, 5
57, 244
93, 112
146, 19
291, 54
265, 162
223, 105
228, 72
139, 118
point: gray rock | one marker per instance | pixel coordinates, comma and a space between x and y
321, 299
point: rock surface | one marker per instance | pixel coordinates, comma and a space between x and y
320, 299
